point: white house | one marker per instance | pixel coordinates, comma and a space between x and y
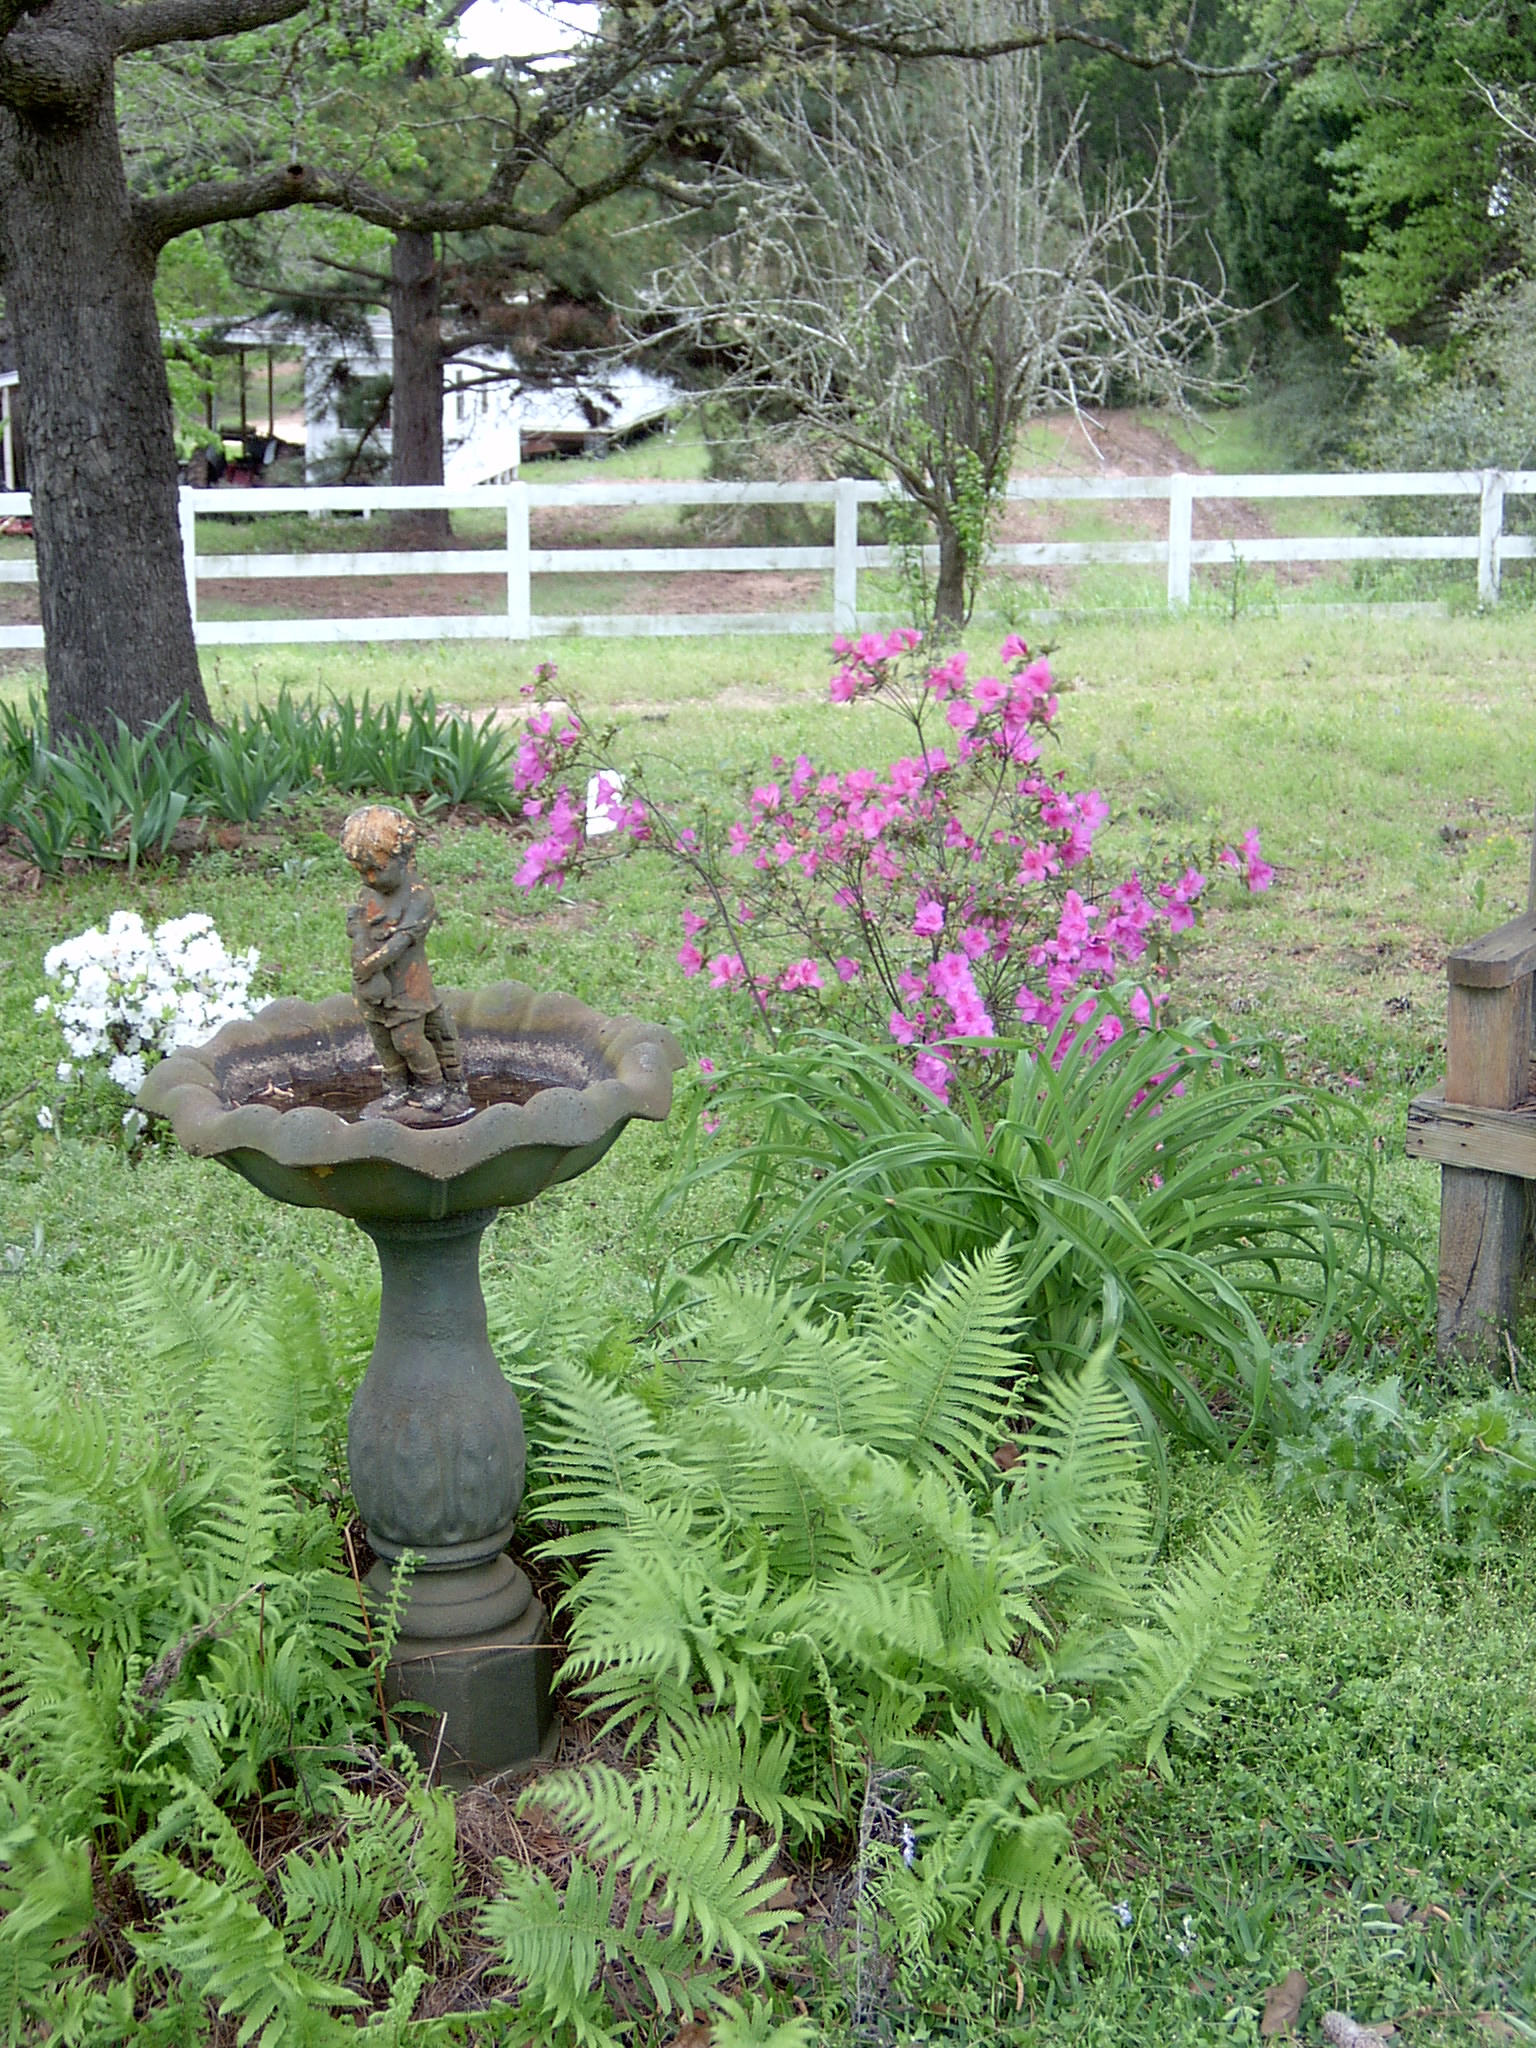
489, 420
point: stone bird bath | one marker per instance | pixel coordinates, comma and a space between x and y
435, 1436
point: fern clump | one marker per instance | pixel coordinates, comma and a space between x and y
795, 1563
183, 1647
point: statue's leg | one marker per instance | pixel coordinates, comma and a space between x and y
396, 1071
411, 1045
444, 1035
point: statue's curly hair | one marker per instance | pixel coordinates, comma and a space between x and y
376, 834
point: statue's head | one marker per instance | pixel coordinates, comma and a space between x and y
376, 836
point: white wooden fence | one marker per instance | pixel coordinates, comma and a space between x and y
518, 561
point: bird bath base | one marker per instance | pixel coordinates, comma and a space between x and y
436, 1451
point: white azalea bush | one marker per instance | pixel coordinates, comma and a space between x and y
127, 996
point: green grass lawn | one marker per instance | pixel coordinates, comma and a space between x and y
1366, 1815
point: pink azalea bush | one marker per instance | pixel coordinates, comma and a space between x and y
953, 896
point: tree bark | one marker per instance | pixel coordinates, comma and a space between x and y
415, 317
79, 282
949, 598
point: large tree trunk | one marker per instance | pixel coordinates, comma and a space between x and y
415, 316
79, 285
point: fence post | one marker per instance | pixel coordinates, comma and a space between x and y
519, 581
1490, 528
1181, 520
845, 557
188, 519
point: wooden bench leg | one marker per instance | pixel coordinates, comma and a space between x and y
1485, 1258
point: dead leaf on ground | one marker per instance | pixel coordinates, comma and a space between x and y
1282, 2004
1345, 2032
1005, 1457
697, 2034
1495, 2026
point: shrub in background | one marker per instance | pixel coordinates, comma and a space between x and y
935, 902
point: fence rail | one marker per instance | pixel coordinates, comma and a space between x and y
518, 562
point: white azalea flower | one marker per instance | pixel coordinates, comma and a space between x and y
45, 1118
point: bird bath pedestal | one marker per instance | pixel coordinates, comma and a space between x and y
435, 1437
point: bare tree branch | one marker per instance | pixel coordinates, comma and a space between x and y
877, 39
921, 264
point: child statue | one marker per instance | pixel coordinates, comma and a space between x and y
416, 1039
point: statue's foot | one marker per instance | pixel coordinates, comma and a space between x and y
422, 1108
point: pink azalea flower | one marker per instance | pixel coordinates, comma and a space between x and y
903, 1030
847, 970
1036, 863
694, 922
962, 714
690, 959
706, 1064
800, 974
931, 1071
929, 919
725, 970
1260, 873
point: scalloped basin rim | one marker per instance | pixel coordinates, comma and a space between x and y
635, 1063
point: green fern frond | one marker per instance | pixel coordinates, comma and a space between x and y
543, 1312
776, 1476
1082, 1485
752, 2025
61, 1713
722, 1766
223, 1948
603, 1454
657, 1608
46, 1905
333, 1902
739, 1334
1197, 1651
192, 1817
701, 1863
1031, 1880
554, 1944
1001, 1859
953, 1365
63, 1463
185, 1318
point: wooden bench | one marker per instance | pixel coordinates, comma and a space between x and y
1480, 1126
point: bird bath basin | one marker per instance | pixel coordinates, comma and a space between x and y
435, 1436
